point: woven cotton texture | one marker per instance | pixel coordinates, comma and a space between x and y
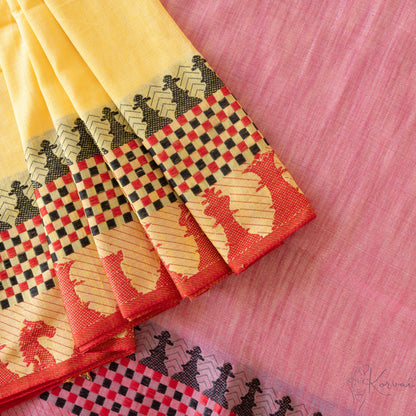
97, 224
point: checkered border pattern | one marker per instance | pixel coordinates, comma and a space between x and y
104, 203
205, 144
26, 266
129, 388
67, 230
141, 178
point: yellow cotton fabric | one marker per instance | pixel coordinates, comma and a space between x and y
100, 37
21, 81
12, 158
76, 78
56, 99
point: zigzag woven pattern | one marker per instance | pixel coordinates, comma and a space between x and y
139, 385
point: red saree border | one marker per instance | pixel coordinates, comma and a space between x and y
33, 384
191, 288
119, 323
271, 241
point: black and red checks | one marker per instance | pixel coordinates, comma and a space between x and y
131, 389
133, 386
104, 203
143, 182
63, 217
27, 263
205, 144
86, 202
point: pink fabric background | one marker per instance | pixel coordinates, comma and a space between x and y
332, 86
36, 407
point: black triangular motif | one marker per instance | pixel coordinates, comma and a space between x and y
55, 165
212, 81
245, 408
154, 121
284, 406
219, 386
181, 97
117, 130
86, 141
157, 358
190, 370
23, 203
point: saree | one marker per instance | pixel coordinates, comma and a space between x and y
138, 182
32, 305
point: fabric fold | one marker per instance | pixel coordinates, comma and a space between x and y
37, 349
188, 255
143, 288
211, 152
230, 179
131, 178
61, 221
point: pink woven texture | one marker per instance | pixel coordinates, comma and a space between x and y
36, 407
332, 86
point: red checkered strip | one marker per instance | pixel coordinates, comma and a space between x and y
129, 388
102, 198
63, 216
205, 144
141, 178
26, 266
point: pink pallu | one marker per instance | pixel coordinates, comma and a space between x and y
334, 315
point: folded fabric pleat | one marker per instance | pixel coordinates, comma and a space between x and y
190, 258
73, 255
230, 179
37, 348
211, 152
138, 290
18, 72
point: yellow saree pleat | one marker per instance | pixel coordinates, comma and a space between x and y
37, 349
